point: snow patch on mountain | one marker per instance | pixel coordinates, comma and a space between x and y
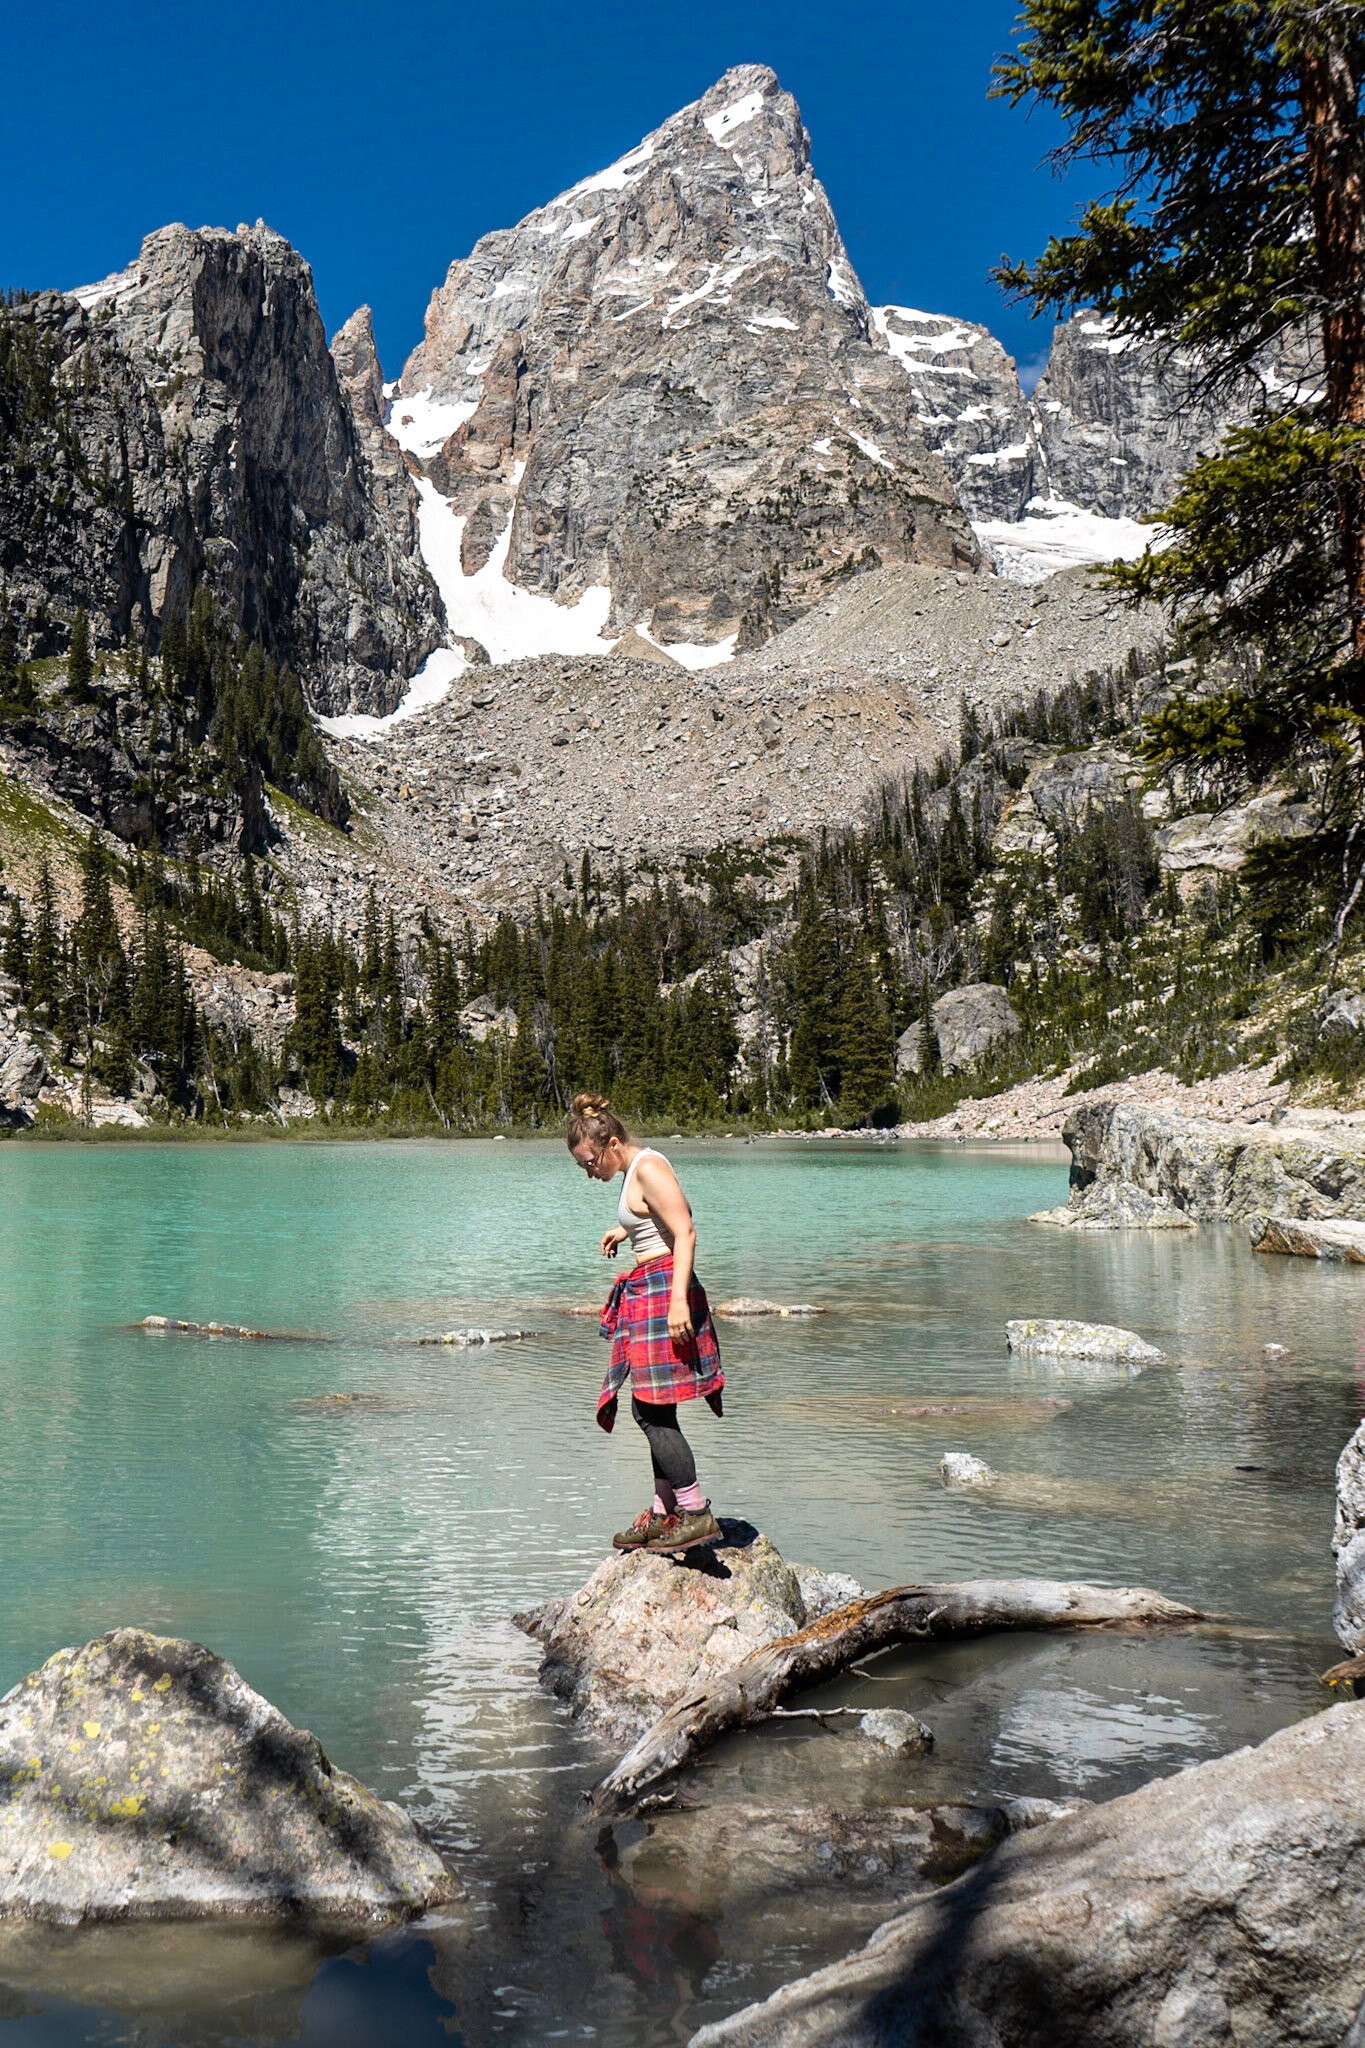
112, 287
1055, 535
421, 424
693, 654
718, 126
511, 624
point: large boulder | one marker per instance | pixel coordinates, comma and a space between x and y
622, 1647
1348, 1545
1055, 1337
1310, 1167
969, 1023
1222, 840
1220, 1906
142, 1778
1343, 1243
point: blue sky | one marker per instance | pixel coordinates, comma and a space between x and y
383, 144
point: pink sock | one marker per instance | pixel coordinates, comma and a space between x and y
691, 1499
662, 1506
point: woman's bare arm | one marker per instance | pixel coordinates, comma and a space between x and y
663, 1197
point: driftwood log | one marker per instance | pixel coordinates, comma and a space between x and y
749, 1690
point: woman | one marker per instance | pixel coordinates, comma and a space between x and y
658, 1320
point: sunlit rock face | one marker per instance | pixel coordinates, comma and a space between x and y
142, 1778
667, 381
199, 438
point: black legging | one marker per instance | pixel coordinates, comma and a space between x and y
668, 1447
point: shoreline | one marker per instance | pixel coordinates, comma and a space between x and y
1032, 1113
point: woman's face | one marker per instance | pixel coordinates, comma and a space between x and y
599, 1162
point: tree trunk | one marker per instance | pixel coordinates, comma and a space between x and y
750, 1690
1334, 141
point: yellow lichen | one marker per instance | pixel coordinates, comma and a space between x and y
131, 1808
163, 1683
61, 1850
136, 1694
90, 1729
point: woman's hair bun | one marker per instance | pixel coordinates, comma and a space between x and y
590, 1105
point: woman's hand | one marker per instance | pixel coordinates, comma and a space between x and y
680, 1323
612, 1241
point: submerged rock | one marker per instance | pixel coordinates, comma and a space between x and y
754, 1305
961, 1471
1341, 1242
465, 1340
892, 1728
1050, 1492
751, 1852
1220, 1905
623, 1647
1049, 1337
173, 1326
141, 1777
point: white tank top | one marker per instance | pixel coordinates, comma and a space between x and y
646, 1240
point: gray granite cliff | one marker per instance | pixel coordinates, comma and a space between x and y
667, 382
197, 435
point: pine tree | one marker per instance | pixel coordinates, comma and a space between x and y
14, 958
45, 952
930, 1054
1238, 221
866, 1058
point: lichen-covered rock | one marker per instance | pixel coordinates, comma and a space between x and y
822, 1592
1331, 1238
892, 1728
622, 1647
1348, 1545
1218, 1906
960, 1470
1210, 1172
1222, 840
1115, 1207
1052, 1337
141, 1777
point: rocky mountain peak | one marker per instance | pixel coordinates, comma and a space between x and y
661, 390
207, 443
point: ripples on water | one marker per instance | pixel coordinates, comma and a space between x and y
359, 1562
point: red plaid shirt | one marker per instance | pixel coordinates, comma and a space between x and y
635, 1318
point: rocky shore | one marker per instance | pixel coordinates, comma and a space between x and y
1215, 1906
1035, 1110
1131, 1164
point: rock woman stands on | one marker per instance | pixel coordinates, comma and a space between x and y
658, 1320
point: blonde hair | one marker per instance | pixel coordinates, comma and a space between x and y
594, 1118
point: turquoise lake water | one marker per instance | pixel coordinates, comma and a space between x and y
359, 1565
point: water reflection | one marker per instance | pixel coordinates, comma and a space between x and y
359, 1559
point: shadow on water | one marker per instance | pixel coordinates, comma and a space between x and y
202, 1987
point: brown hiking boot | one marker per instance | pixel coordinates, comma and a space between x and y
639, 1532
683, 1531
